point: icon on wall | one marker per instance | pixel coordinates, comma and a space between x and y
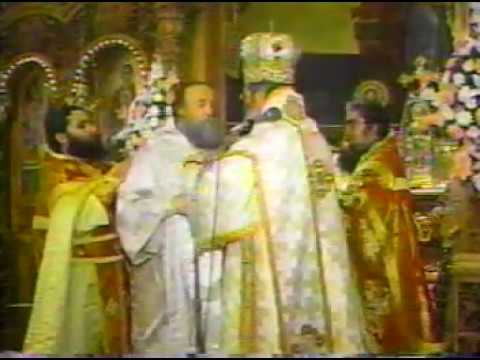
372, 91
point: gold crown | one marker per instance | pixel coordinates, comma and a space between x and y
269, 57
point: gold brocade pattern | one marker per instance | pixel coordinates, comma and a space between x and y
80, 300
219, 242
249, 341
321, 181
384, 245
248, 309
58, 169
377, 297
271, 251
294, 110
308, 341
297, 307
267, 227
317, 175
113, 308
321, 186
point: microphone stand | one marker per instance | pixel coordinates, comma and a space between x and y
199, 339
235, 133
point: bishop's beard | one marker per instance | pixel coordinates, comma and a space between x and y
350, 157
88, 150
208, 134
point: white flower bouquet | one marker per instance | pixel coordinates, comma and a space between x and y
454, 99
148, 112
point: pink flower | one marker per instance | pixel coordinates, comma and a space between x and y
455, 132
475, 154
476, 167
476, 181
473, 132
451, 63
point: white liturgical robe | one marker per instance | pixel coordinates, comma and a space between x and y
159, 245
268, 207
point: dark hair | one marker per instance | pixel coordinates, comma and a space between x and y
57, 123
181, 89
374, 114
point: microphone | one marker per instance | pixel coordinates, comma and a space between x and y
243, 129
246, 128
271, 114
247, 125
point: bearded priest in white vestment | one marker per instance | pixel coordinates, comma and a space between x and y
269, 207
154, 231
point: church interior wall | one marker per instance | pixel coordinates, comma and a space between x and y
341, 49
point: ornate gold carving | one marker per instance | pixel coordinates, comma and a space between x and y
113, 308
115, 40
321, 181
294, 109
62, 12
28, 58
372, 91
424, 224
170, 26
308, 341
377, 297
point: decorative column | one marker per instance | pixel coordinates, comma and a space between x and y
379, 31
459, 12
170, 19
4, 173
216, 76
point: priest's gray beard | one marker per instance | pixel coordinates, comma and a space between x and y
207, 134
